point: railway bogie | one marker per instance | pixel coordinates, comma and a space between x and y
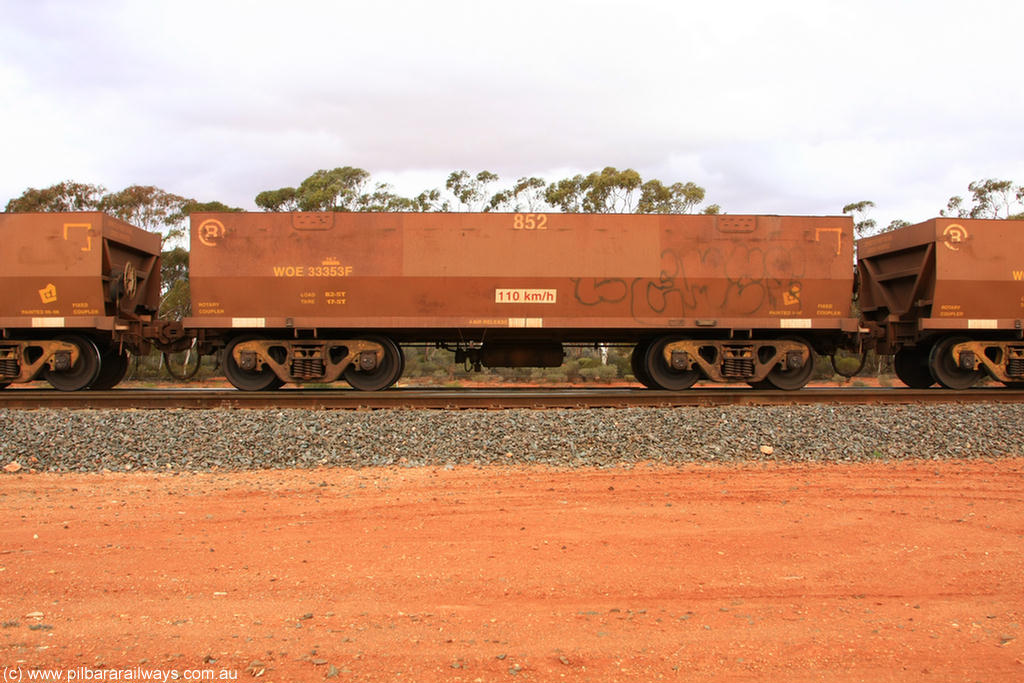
255, 363
782, 363
958, 362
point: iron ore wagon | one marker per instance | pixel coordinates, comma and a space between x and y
80, 292
947, 298
317, 297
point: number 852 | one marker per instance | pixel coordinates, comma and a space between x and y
530, 221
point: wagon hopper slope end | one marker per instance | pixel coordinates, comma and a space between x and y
294, 297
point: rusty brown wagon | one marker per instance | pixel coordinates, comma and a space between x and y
946, 296
80, 291
318, 297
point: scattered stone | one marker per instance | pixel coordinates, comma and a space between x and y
204, 440
12, 467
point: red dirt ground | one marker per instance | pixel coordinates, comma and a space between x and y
880, 572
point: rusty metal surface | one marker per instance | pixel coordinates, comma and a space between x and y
57, 271
520, 272
15, 358
978, 355
134, 399
329, 367
945, 274
746, 361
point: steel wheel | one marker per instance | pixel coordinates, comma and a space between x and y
911, 366
944, 366
795, 378
81, 374
385, 374
113, 368
247, 380
637, 362
661, 374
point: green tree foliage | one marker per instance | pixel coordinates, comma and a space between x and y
191, 206
145, 206
65, 196
613, 191
148, 207
344, 189
990, 198
429, 200
864, 226
606, 191
527, 194
655, 197
566, 194
610, 190
471, 191
174, 284
383, 199
336, 190
283, 199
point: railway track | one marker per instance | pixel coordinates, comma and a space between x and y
491, 399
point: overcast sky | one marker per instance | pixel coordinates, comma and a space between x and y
772, 106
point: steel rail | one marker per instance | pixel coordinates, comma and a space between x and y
489, 399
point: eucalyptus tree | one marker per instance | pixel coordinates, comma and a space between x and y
990, 198
64, 196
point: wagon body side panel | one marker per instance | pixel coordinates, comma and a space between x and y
495, 271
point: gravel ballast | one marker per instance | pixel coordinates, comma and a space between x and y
96, 440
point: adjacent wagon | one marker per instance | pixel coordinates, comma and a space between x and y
947, 298
80, 292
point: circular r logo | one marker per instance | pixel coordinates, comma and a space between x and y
210, 231
954, 235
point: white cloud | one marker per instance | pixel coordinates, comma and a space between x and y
786, 107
